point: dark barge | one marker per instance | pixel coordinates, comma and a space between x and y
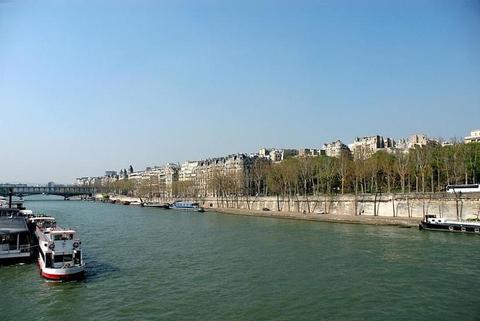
432, 223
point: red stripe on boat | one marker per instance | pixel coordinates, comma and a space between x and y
62, 276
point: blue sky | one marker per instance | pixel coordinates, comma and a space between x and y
92, 85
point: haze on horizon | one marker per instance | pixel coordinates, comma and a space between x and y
88, 87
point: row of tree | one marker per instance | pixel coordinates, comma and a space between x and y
424, 169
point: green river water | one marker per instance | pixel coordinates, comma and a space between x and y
153, 264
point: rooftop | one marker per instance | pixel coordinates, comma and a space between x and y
12, 225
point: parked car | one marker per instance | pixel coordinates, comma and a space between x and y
265, 209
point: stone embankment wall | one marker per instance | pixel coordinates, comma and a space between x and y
385, 205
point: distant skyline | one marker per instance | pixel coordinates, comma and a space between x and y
91, 86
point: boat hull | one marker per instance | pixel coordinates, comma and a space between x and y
63, 277
193, 209
156, 206
61, 274
454, 228
15, 259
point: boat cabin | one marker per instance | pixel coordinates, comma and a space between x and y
6, 211
434, 220
14, 239
43, 222
60, 248
186, 204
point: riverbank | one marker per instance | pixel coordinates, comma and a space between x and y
387, 209
329, 218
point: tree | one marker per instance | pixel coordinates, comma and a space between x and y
401, 168
259, 174
275, 182
422, 161
305, 172
343, 166
386, 166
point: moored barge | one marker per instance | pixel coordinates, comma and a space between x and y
15, 241
186, 205
156, 205
431, 222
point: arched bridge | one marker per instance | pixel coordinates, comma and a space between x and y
65, 191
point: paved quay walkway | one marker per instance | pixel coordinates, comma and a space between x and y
330, 218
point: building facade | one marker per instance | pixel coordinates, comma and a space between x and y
233, 168
335, 149
278, 155
365, 147
158, 180
188, 171
421, 140
474, 137
308, 152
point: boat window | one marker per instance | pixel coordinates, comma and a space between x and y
24, 239
62, 258
77, 257
48, 259
62, 237
5, 239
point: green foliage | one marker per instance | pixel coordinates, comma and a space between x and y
422, 169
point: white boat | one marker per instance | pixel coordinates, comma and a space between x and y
59, 250
431, 222
25, 212
186, 205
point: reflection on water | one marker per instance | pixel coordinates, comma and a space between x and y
95, 270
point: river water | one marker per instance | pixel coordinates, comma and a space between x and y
153, 264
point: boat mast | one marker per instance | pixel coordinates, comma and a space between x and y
10, 195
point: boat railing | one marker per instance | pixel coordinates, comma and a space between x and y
7, 248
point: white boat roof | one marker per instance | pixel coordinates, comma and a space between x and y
43, 218
473, 223
61, 231
453, 221
12, 225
